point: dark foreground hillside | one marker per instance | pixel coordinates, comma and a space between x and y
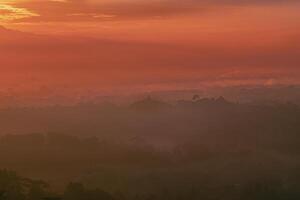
209, 149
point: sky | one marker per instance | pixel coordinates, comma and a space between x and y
112, 45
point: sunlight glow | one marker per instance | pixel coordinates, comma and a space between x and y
10, 13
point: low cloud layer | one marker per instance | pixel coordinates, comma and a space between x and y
102, 10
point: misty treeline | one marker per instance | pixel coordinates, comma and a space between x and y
15, 187
195, 149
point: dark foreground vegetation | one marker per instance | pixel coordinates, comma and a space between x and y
14, 187
208, 149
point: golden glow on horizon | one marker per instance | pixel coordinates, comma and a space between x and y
8, 12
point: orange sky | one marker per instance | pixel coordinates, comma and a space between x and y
148, 43
155, 19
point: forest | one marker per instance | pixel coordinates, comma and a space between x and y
204, 148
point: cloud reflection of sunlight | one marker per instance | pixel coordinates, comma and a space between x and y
9, 13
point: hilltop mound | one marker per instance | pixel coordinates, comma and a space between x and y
149, 104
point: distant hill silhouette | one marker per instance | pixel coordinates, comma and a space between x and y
149, 104
206, 103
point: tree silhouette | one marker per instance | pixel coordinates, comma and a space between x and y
77, 191
14, 187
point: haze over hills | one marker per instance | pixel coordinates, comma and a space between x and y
149, 111
255, 95
198, 146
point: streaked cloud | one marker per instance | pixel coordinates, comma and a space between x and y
10, 13
97, 10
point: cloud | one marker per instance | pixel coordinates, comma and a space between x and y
9, 12
99, 10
